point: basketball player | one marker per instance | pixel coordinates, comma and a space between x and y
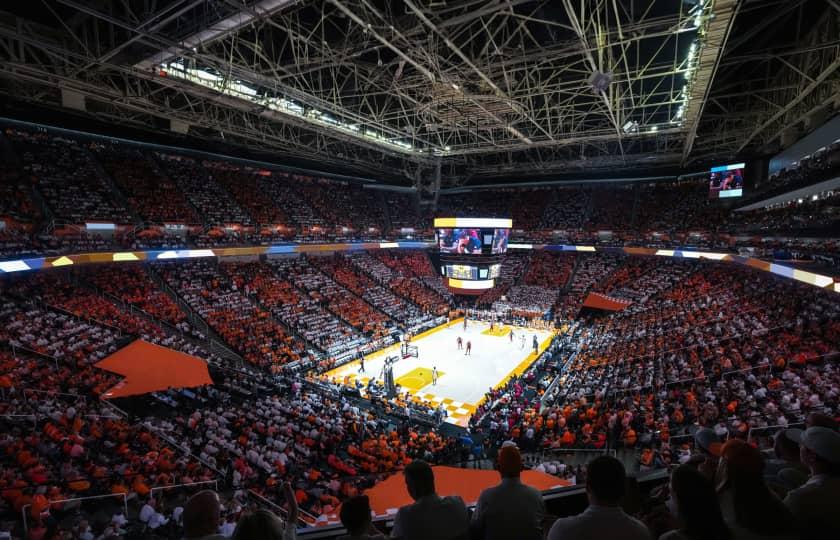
536, 344
511, 336
434, 375
469, 348
465, 322
522, 341
460, 343
361, 362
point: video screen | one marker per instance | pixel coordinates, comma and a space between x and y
460, 271
500, 241
460, 241
726, 181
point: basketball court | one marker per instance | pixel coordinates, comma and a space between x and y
462, 379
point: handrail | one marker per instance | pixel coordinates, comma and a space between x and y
188, 484
25, 507
27, 350
119, 331
765, 428
52, 393
33, 417
282, 511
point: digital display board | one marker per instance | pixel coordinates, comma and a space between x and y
500, 241
469, 272
480, 285
463, 241
473, 223
473, 236
726, 181
461, 271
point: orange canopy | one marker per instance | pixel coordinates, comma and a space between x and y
602, 301
391, 493
150, 368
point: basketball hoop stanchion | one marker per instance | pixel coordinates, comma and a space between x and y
388, 376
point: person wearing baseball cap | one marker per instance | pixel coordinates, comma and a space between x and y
510, 510
785, 470
707, 452
815, 504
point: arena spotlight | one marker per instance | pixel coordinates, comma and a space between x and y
599, 81
630, 127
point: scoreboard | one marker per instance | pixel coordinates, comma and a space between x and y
470, 251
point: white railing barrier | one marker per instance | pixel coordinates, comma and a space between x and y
77, 499
798, 423
188, 484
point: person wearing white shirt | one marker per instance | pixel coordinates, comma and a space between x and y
118, 519
228, 527
430, 516
605, 479
147, 511
157, 520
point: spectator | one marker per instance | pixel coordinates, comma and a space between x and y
786, 471
430, 516
201, 516
815, 419
229, 526
511, 509
708, 445
815, 503
605, 485
694, 503
263, 525
147, 511
749, 508
355, 516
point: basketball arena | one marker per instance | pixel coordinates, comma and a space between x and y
462, 379
419, 269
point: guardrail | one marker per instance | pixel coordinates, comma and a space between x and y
188, 484
305, 519
17, 348
777, 426
26, 507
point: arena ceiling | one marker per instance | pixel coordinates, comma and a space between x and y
460, 90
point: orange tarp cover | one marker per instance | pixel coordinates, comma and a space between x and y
387, 496
602, 301
150, 368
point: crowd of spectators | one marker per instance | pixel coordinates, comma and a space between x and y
702, 348
395, 273
348, 275
66, 175
271, 285
83, 181
132, 284
215, 205
218, 295
346, 305
513, 264
719, 347
154, 196
16, 196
